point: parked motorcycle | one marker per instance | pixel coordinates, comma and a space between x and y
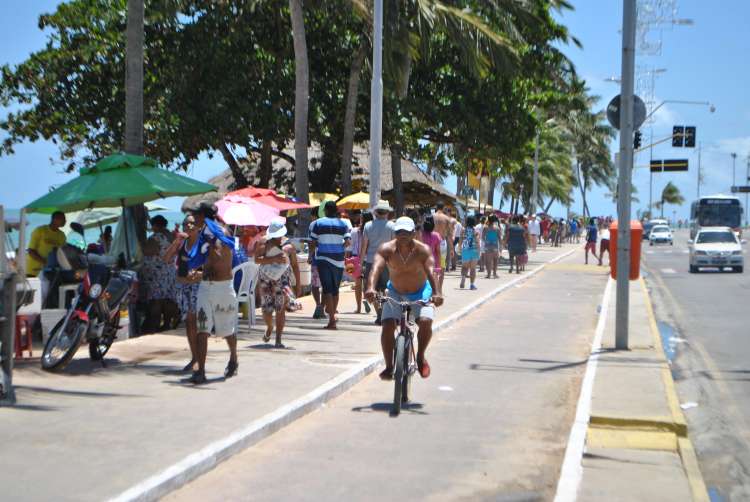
94, 314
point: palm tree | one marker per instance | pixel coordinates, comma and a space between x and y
670, 195
301, 106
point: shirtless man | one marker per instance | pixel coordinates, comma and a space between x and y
410, 266
445, 225
217, 302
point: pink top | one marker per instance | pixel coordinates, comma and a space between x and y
433, 240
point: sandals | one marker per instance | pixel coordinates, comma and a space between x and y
267, 337
424, 368
231, 370
188, 367
279, 345
386, 374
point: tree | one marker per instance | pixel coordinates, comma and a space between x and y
301, 97
670, 195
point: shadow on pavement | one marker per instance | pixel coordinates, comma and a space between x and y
415, 408
77, 393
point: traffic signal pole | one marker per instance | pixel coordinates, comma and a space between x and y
624, 174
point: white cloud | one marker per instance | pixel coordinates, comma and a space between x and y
740, 146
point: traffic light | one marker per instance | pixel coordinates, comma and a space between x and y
690, 137
637, 140
678, 136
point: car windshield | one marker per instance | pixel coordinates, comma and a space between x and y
715, 237
659, 230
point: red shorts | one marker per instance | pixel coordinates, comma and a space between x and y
604, 246
590, 246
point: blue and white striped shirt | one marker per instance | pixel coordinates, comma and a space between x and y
329, 235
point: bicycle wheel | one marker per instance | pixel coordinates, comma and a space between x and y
399, 374
408, 372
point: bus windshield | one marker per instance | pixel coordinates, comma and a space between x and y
719, 215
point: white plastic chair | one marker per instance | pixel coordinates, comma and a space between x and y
246, 293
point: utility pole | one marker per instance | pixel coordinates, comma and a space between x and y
700, 145
734, 165
624, 175
650, 174
376, 104
747, 178
535, 186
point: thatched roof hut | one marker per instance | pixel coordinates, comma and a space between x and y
420, 189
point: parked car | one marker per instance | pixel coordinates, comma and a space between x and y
716, 247
660, 234
650, 224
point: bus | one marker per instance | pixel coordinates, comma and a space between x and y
716, 211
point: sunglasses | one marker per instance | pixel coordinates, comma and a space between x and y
403, 232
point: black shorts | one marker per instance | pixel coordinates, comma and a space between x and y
381, 282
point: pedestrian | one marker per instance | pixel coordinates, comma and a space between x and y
492, 241
444, 225
353, 262
591, 238
188, 282
480, 231
161, 292
455, 240
216, 300
105, 239
329, 237
535, 231
469, 253
434, 241
545, 225
375, 233
516, 238
318, 313
277, 260
604, 244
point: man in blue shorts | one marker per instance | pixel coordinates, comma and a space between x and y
329, 237
411, 269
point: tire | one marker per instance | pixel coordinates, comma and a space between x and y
738, 270
75, 331
105, 342
650, 243
693, 269
399, 375
406, 386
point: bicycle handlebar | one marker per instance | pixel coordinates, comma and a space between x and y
386, 298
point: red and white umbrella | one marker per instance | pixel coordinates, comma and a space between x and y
242, 211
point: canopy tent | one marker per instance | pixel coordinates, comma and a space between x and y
238, 210
120, 180
93, 218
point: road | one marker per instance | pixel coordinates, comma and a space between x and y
707, 317
491, 423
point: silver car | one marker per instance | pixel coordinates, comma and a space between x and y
716, 247
660, 234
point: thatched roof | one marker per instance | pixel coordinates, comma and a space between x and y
420, 189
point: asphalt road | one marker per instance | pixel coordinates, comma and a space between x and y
491, 422
705, 320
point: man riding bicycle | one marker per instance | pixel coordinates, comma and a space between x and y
410, 266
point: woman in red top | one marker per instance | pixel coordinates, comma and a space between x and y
433, 239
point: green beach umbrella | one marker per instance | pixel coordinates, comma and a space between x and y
120, 180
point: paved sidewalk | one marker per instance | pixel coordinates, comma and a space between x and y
120, 425
637, 445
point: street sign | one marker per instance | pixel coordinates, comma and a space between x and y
671, 165
741, 189
639, 112
675, 165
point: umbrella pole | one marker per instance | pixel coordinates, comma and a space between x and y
127, 239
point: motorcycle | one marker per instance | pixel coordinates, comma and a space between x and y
94, 314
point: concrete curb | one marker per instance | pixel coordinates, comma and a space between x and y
685, 446
664, 424
207, 458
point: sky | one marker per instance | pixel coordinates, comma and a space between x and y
703, 62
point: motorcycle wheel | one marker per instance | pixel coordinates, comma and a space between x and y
62, 345
98, 348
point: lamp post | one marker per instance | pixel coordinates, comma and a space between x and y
376, 104
734, 168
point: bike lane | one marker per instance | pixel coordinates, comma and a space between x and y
491, 422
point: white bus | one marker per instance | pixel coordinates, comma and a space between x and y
716, 211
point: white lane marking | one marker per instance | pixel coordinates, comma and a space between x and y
685, 251
687, 406
650, 252
445, 388
572, 468
668, 271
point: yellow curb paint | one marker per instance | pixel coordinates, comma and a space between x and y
605, 437
685, 446
690, 463
662, 424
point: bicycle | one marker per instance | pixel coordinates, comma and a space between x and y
404, 357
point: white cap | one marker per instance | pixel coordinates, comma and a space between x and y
277, 228
404, 223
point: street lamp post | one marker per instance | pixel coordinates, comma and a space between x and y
734, 168
376, 104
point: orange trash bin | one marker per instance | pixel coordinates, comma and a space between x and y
636, 237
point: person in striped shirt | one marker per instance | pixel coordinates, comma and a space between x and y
329, 237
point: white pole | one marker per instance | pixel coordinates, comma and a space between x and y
624, 175
376, 104
21, 254
535, 188
3, 259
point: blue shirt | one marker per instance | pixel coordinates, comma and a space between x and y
592, 231
329, 235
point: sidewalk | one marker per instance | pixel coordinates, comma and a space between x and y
125, 424
637, 445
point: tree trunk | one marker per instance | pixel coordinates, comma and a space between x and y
301, 103
459, 186
266, 164
513, 205
134, 100
398, 187
350, 119
491, 192
549, 205
240, 180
